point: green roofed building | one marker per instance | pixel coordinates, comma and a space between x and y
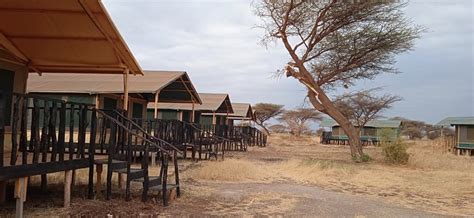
464, 132
372, 131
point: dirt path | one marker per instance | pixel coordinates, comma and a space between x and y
282, 199
270, 182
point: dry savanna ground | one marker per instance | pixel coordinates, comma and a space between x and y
293, 176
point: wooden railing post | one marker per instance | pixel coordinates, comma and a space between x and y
91, 149
62, 131
3, 184
23, 136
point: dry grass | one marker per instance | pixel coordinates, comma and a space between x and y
432, 180
231, 170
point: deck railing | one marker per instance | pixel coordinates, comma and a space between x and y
46, 135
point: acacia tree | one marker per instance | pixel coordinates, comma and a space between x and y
297, 120
334, 43
278, 128
362, 107
265, 112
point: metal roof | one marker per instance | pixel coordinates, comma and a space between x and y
327, 122
453, 121
174, 86
64, 36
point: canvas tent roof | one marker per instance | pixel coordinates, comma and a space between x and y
211, 102
327, 122
174, 86
451, 121
64, 36
242, 111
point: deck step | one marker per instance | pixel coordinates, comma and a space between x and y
105, 161
160, 187
135, 173
132, 170
152, 180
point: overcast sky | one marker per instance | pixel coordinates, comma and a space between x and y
217, 43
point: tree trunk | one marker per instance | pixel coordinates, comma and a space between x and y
330, 109
264, 128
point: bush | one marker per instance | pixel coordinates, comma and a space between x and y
395, 152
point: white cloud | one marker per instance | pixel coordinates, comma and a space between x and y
217, 44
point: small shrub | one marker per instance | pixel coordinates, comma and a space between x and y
362, 159
395, 152
365, 158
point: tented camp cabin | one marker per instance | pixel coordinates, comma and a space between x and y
106, 92
216, 115
242, 113
372, 133
217, 106
463, 141
68, 36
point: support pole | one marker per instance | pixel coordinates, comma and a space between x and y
20, 195
98, 183
180, 115
192, 113
67, 187
214, 118
125, 107
125, 89
155, 114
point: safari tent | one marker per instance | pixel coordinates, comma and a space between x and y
55, 38
464, 132
216, 106
372, 132
106, 92
242, 112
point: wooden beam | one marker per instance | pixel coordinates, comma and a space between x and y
46, 11
10, 46
125, 89
187, 89
56, 37
113, 42
12, 172
155, 105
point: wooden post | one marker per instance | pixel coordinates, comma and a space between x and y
192, 112
214, 118
125, 107
98, 183
67, 187
180, 115
125, 89
155, 114
3, 189
20, 195
153, 159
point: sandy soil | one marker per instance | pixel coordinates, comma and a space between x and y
290, 177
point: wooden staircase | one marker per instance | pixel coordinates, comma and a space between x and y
127, 137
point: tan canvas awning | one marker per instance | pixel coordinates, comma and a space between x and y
211, 102
242, 111
173, 86
64, 36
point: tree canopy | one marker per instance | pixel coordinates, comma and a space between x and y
297, 120
335, 43
265, 112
